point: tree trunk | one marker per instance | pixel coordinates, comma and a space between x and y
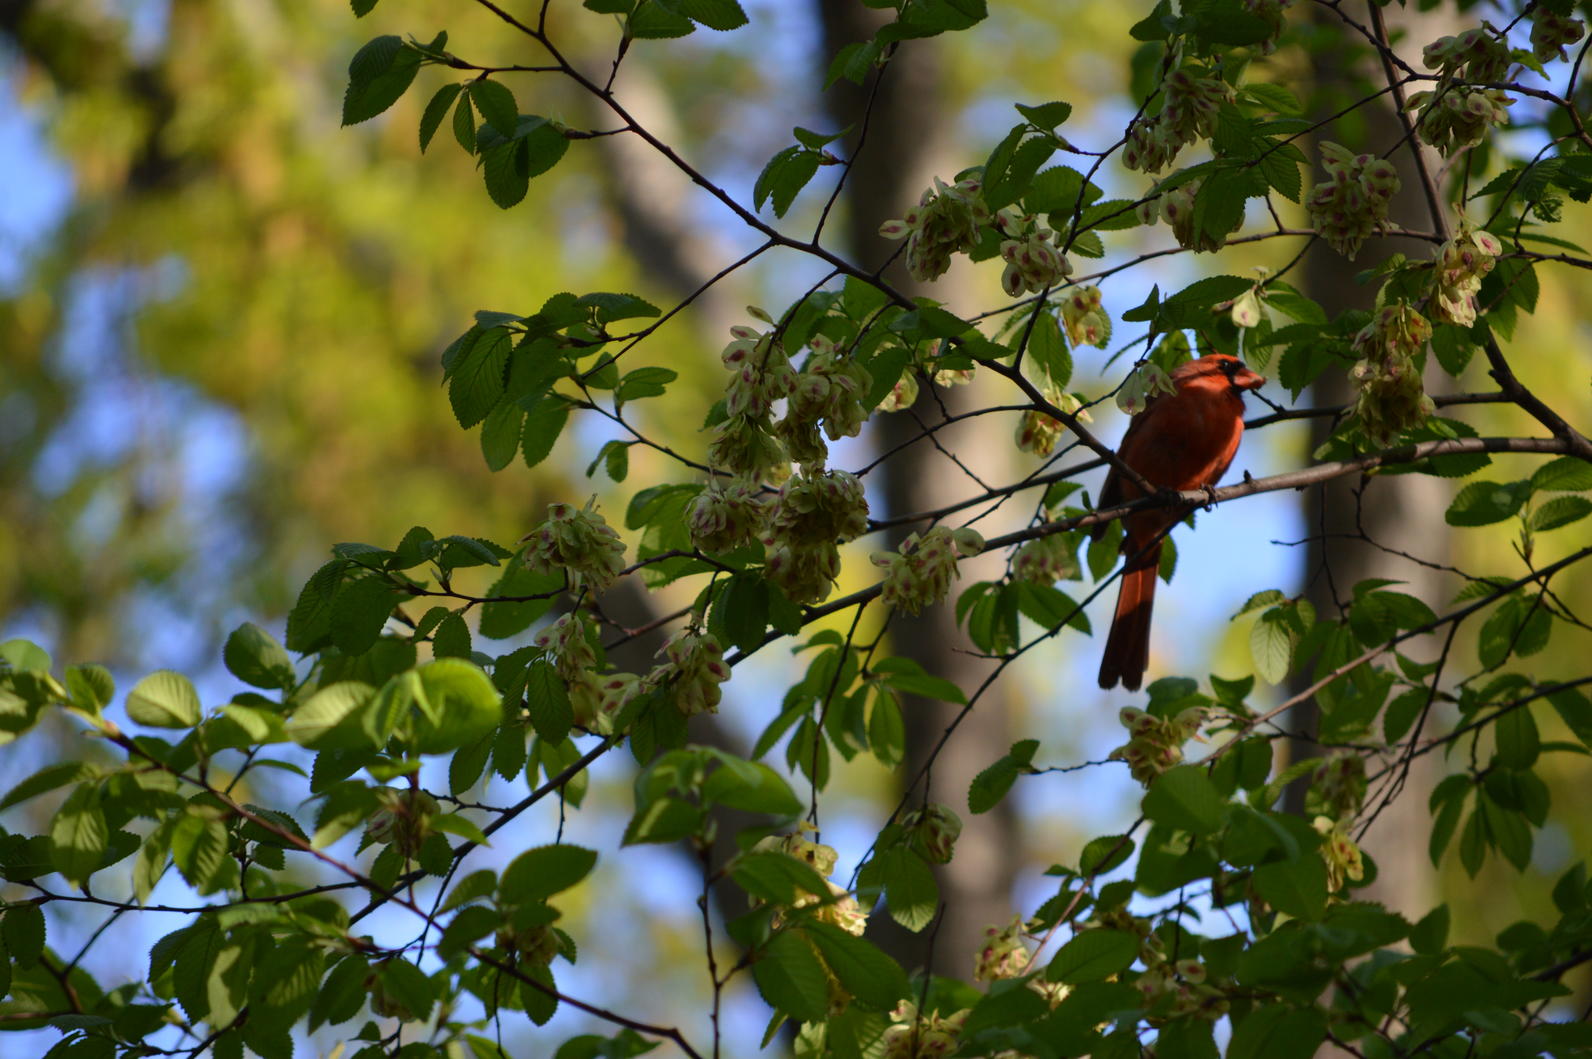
895, 162
1354, 525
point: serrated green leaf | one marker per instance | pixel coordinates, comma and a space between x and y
1185, 798
495, 102
539, 873
256, 658
379, 73
792, 978
1093, 956
164, 699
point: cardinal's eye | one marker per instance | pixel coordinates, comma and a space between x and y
1230, 368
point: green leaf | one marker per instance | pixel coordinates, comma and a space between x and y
873, 978
199, 849
1297, 888
1482, 503
909, 888
783, 178
1560, 511
1050, 350
1271, 645
331, 719
1093, 956
49, 778
548, 702
776, 877
464, 123
1046, 115
539, 873
1277, 1031
1273, 97
458, 706
78, 835
359, 612
408, 986
1518, 740
23, 933
1563, 475
907, 675
1103, 854
254, 657
1185, 798
436, 110
504, 617
544, 422
477, 377
150, 864
379, 73
500, 434
991, 785
164, 699
792, 978
90, 686
1430, 935
652, 21
495, 101
539, 1003
715, 14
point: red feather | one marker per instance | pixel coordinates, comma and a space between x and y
1180, 441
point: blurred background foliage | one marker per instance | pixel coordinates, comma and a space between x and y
221, 315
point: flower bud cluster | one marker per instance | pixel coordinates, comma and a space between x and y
1184, 981
838, 906
402, 819
1462, 263
830, 389
1352, 202
1550, 33
1176, 207
1474, 55
946, 221
920, 574
903, 394
1038, 431
1046, 560
1455, 117
723, 516
692, 673
568, 645
1192, 98
1155, 744
1147, 381
953, 376
760, 375
1032, 263
933, 831
1339, 851
1391, 398
578, 542
813, 512
1085, 320
913, 1035
533, 945
1270, 12
1337, 786
1003, 954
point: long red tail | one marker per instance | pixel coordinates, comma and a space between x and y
1128, 646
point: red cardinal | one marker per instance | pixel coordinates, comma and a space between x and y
1180, 441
